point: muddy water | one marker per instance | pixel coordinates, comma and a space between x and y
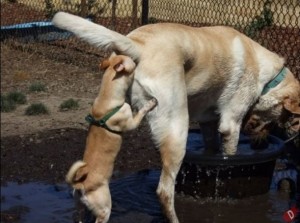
134, 201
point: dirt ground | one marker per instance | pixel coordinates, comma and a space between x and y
42, 148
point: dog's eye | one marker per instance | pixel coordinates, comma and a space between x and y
255, 118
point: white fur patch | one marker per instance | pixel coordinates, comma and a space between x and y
238, 63
238, 52
236, 72
268, 67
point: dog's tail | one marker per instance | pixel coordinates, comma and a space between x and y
71, 176
96, 34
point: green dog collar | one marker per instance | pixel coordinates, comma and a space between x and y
102, 122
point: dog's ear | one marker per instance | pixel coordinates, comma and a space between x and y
104, 64
81, 174
291, 106
73, 173
123, 64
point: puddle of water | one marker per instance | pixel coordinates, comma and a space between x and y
43, 202
134, 200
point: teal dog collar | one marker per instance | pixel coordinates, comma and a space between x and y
275, 81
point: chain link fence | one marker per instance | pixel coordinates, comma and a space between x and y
273, 23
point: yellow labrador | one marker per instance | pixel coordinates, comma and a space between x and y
202, 74
110, 116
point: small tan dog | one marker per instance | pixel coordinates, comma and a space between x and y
198, 74
110, 117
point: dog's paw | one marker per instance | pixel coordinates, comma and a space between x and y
229, 151
150, 105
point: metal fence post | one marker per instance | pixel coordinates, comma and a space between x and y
134, 13
145, 11
83, 12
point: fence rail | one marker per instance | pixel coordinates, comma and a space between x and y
273, 23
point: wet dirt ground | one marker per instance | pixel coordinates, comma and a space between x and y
33, 168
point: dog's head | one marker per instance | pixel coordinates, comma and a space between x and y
281, 106
94, 195
99, 202
116, 80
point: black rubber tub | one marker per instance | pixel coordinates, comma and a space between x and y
245, 174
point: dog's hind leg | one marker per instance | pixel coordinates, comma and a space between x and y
168, 122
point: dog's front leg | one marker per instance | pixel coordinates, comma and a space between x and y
230, 130
171, 134
134, 121
172, 151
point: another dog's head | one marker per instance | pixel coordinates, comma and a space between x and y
119, 64
280, 106
95, 195
116, 80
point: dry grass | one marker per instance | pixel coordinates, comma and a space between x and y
23, 65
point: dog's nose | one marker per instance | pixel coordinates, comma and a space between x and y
251, 126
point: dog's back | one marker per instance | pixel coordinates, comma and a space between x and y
209, 55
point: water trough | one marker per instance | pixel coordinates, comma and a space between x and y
206, 172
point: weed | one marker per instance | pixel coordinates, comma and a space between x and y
17, 97
6, 104
37, 87
10, 100
261, 21
36, 109
69, 104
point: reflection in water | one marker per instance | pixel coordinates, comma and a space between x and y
134, 201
